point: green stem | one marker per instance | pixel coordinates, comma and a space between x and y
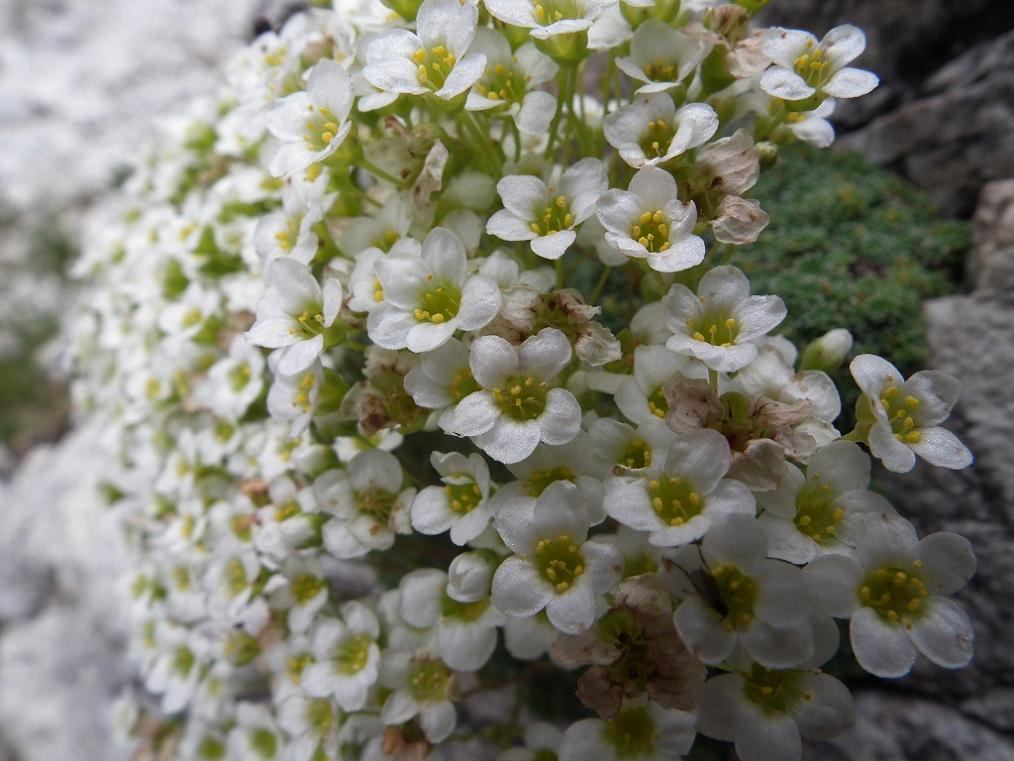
713, 379
380, 174
600, 286
559, 273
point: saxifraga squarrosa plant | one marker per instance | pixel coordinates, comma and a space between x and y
428, 382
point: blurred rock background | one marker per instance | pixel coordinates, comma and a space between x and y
81, 82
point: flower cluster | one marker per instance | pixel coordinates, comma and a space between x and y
426, 377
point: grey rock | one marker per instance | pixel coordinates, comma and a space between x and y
991, 265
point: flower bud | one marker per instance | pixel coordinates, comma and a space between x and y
828, 352
469, 576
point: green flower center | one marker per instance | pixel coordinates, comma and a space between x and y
462, 385
660, 71
305, 587
428, 681
239, 376
545, 754
559, 561
896, 594
631, 733
651, 231
637, 454
180, 577
384, 242
504, 84
715, 329
816, 514
674, 500
813, 66
241, 648
320, 127
438, 303
635, 565
899, 413
433, 66
540, 480
210, 749
554, 217
309, 323
550, 11
287, 238
463, 611
320, 716
295, 665
658, 404
522, 397
463, 498
183, 660
301, 398
656, 138
377, 503
235, 577
738, 593
353, 653
286, 510
263, 743
774, 691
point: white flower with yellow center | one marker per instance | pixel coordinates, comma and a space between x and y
719, 324
900, 418
515, 407
811, 515
677, 500
293, 398
555, 567
547, 216
461, 504
547, 18
804, 67
641, 730
433, 59
289, 232
509, 80
311, 125
648, 221
652, 132
347, 656
294, 314
641, 396
235, 381
441, 380
661, 57
420, 686
428, 295
894, 591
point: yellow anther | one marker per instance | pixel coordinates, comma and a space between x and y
913, 437
911, 402
646, 218
540, 13
500, 69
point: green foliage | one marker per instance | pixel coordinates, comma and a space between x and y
852, 246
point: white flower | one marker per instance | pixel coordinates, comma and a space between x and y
312, 726
641, 731
651, 132
719, 325
813, 126
626, 449
294, 397
555, 567
900, 418
302, 589
461, 504
516, 408
509, 79
661, 57
734, 595
547, 18
648, 221
547, 216
347, 656
433, 59
803, 67
893, 591
811, 515
421, 687
441, 380
234, 381
428, 295
294, 314
677, 501
367, 503
311, 124
641, 397
256, 734
764, 711
466, 632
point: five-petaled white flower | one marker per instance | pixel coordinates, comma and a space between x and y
515, 407
294, 314
661, 57
311, 124
555, 567
547, 216
894, 592
548, 18
428, 295
648, 221
347, 656
461, 504
653, 132
804, 67
718, 324
434, 58
900, 418
641, 730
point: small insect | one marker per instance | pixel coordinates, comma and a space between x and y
706, 586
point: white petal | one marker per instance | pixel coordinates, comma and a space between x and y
545, 354
834, 582
491, 359
388, 326
475, 414
945, 635
828, 710
783, 83
881, 649
424, 337
480, 302
778, 647
438, 721
464, 74
702, 631
767, 737
523, 195
554, 245
519, 589
506, 226
560, 422
430, 512
296, 358
949, 561
509, 441
574, 611
940, 447
851, 83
